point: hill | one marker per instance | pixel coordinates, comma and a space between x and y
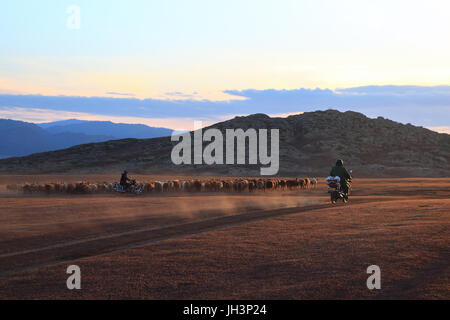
309, 145
106, 128
22, 138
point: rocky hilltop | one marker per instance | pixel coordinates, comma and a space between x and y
309, 145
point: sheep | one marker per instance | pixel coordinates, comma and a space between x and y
92, 188
218, 186
292, 184
276, 184
307, 183
81, 187
270, 184
27, 188
252, 185
185, 186
243, 185
101, 187
176, 185
149, 187
261, 185
159, 186
71, 188
110, 187
227, 186
209, 186
48, 188
197, 186
282, 184
57, 187
36, 188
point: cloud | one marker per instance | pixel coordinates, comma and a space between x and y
440, 129
120, 94
178, 94
424, 106
397, 90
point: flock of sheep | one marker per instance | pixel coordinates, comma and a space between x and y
210, 185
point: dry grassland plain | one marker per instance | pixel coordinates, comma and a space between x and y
263, 245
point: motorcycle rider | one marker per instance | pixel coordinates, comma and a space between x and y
125, 181
340, 171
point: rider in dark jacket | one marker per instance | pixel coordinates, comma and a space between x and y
340, 171
124, 180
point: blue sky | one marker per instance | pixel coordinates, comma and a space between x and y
248, 56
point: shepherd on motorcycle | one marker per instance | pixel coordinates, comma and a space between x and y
340, 171
125, 181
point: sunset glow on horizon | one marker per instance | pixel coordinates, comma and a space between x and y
198, 49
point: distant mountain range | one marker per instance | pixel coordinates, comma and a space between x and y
106, 128
309, 145
20, 138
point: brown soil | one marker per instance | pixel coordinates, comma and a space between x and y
273, 245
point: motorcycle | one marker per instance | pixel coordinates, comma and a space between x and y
132, 188
335, 190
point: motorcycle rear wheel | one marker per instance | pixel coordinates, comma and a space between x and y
334, 196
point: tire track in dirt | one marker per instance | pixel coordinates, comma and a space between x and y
15, 262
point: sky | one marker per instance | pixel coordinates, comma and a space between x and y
215, 59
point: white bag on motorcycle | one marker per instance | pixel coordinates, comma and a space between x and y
333, 179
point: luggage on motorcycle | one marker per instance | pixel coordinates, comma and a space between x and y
333, 185
133, 188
